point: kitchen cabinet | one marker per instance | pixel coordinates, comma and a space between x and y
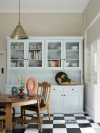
25, 54
66, 99
45, 52
73, 54
54, 54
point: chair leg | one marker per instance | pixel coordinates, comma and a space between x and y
38, 118
49, 115
22, 115
13, 113
1, 126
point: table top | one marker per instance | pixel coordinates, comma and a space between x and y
5, 99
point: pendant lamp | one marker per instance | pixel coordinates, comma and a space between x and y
19, 32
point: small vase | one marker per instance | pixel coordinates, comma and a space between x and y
21, 93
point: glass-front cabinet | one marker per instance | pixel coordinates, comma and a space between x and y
16, 52
35, 54
54, 54
72, 54
26, 54
45, 53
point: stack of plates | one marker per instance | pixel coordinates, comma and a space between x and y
74, 47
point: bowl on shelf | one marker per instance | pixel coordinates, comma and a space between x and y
74, 47
67, 64
74, 64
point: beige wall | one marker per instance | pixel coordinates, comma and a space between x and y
41, 25
64, 24
91, 11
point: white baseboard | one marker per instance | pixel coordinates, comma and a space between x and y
89, 111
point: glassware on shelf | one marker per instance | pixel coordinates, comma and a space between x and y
17, 63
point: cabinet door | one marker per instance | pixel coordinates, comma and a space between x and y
72, 100
72, 53
16, 54
35, 54
56, 101
54, 54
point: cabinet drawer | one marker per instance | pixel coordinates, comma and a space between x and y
73, 88
57, 88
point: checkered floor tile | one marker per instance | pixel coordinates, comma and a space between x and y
62, 123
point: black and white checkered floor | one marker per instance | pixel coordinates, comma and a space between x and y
62, 123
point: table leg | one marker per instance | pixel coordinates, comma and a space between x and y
8, 128
39, 115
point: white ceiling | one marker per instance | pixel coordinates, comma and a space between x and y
44, 6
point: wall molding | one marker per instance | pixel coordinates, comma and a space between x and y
93, 22
42, 11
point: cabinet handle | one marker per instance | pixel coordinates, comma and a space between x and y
72, 89
54, 89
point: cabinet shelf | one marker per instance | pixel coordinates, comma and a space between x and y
35, 49
54, 49
72, 59
53, 59
17, 59
36, 59
71, 50
18, 49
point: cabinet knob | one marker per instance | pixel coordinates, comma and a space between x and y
72, 89
61, 95
64, 95
54, 89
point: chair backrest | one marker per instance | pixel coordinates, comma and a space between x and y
44, 89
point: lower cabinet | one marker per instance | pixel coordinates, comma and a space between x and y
66, 99
72, 100
56, 101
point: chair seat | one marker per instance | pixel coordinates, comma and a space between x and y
1, 107
2, 113
35, 106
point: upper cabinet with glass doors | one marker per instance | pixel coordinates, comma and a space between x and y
35, 54
25, 54
72, 54
45, 53
54, 54
16, 52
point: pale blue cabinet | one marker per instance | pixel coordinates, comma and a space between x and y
66, 99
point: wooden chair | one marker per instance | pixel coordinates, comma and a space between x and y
44, 89
3, 116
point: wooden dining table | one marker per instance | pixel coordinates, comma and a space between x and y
9, 103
